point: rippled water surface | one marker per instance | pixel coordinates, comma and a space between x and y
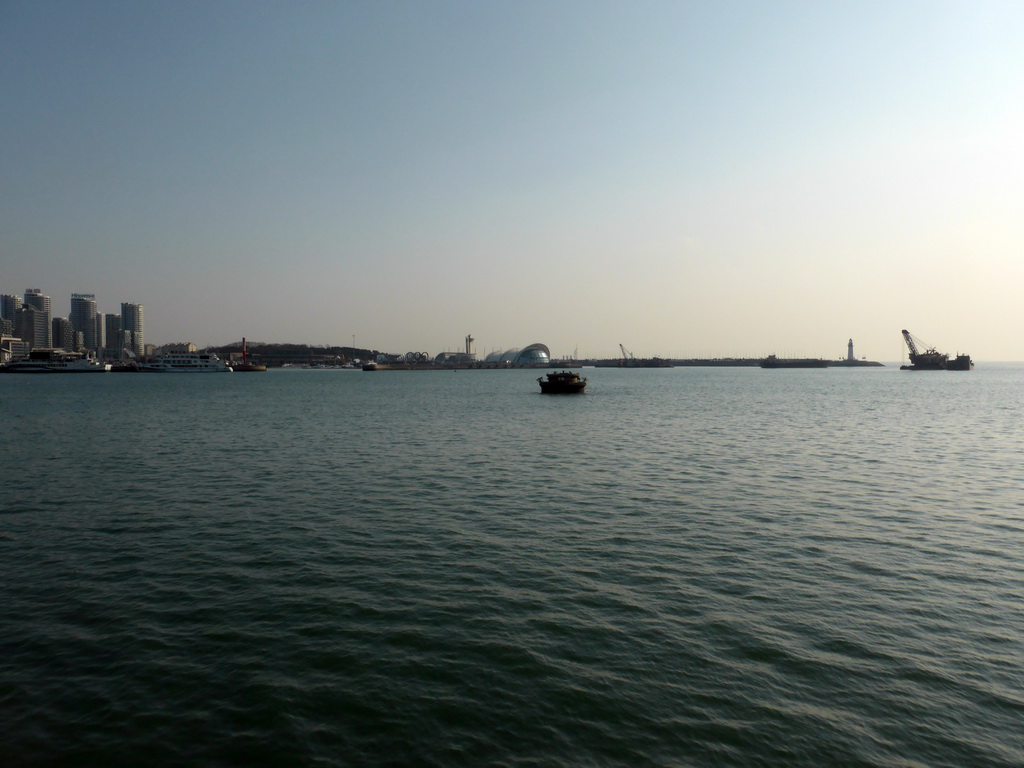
682, 567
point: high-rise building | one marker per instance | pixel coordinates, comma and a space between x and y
32, 326
34, 298
83, 317
120, 345
100, 333
131, 321
112, 335
63, 334
9, 306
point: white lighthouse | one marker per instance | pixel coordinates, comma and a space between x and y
849, 351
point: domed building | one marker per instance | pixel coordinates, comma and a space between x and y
535, 354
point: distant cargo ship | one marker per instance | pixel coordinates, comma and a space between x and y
793, 362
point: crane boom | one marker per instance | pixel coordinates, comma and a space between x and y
910, 343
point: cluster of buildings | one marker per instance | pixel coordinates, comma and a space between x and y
532, 355
28, 322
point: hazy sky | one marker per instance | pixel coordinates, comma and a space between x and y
684, 178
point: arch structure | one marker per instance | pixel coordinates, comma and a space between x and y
535, 354
414, 357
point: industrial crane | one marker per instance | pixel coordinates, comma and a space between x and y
910, 343
625, 355
931, 359
912, 346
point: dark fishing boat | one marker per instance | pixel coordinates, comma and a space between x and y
562, 383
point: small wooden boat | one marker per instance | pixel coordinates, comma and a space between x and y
562, 383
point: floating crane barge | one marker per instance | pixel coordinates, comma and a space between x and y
931, 359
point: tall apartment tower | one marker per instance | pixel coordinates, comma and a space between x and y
131, 321
63, 334
34, 298
101, 333
33, 327
112, 335
9, 306
83, 317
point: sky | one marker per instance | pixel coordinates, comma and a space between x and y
686, 179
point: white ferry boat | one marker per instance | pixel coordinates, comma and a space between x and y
186, 362
54, 361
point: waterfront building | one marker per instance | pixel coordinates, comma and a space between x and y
119, 345
186, 347
12, 348
9, 306
112, 336
33, 327
83, 317
112, 327
63, 334
35, 299
6, 327
535, 354
131, 321
100, 333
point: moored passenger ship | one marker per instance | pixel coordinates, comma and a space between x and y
186, 362
54, 361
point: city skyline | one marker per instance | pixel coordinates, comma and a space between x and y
84, 315
96, 327
684, 179
83, 328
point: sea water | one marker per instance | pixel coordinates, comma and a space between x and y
681, 567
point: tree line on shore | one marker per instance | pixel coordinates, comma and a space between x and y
265, 352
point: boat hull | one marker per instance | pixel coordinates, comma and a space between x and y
938, 362
562, 389
34, 369
158, 369
563, 383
